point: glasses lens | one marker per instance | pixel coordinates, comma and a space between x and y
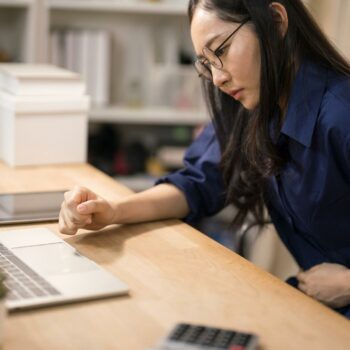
203, 70
212, 58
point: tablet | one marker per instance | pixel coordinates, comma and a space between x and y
30, 207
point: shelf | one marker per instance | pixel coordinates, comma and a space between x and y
159, 116
171, 156
15, 3
170, 7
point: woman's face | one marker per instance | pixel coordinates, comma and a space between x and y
240, 75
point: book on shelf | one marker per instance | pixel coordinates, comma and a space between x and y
56, 48
139, 53
72, 51
86, 52
39, 80
147, 70
101, 62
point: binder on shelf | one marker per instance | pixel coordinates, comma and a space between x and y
85, 64
100, 68
86, 52
135, 79
56, 48
72, 50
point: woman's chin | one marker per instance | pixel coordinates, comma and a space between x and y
249, 105
250, 101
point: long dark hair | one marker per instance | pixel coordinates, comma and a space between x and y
249, 154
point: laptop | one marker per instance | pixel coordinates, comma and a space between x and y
42, 269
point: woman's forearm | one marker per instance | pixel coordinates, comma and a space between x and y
164, 201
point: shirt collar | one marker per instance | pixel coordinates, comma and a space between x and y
305, 102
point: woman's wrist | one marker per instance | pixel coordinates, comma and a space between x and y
126, 210
346, 285
117, 209
343, 297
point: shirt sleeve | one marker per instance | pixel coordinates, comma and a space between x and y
200, 179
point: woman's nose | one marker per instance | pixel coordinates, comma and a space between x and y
220, 76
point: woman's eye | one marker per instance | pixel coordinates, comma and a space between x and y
220, 51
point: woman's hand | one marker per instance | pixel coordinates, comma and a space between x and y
82, 208
328, 283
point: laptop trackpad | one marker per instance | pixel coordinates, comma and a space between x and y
54, 259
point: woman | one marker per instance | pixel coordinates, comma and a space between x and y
279, 97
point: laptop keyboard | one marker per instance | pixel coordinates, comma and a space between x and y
21, 281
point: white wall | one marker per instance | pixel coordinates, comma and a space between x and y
334, 18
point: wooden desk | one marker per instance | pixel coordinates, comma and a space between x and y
175, 274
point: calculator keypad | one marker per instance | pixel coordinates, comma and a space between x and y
195, 337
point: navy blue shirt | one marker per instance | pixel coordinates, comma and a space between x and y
309, 202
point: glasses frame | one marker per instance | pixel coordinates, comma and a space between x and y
199, 62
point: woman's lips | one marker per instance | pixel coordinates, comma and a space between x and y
236, 94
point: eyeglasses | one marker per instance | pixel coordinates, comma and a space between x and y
212, 58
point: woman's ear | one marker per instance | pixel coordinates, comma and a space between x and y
280, 15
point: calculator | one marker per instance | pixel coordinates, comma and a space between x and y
187, 336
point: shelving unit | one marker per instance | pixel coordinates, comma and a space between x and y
15, 3
25, 27
38, 17
134, 26
134, 6
18, 29
138, 29
127, 21
159, 116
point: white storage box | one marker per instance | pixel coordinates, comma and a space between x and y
23, 79
37, 130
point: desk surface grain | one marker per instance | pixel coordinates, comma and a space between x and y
175, 274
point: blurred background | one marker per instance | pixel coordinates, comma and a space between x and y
136, 59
